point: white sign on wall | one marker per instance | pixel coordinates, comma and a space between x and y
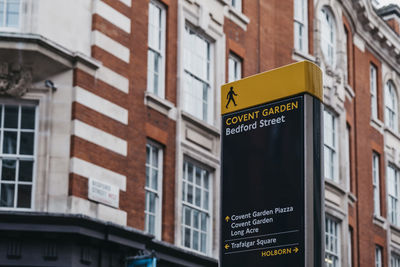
103, 193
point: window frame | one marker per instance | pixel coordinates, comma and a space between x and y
331, 235
394, 260
393, 219
391, 95
237, 67
378, 256
348, 157
328, 25
161, 52
333, 149
376, 183
237, 5
350, 247
158, 209
373, 85
192, 206
5, 15
20, 104
301, 41
209, 118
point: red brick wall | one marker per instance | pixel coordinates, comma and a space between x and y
143, 122
367, 140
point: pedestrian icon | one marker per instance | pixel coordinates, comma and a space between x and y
230, 97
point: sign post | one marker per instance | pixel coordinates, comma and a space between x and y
271, 169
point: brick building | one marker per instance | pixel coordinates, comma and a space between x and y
110, 124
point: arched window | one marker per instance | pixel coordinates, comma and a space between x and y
391, 119
328, 35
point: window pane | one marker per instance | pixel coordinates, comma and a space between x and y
154, 160
11, 117
152, 202
195, 240
154, 178
197, 74
10, 143
1, 13
195, 204
190, 172
327, 35
151, 226
203, 222
24, 196
12, 13
196, 219
148, 154
198, 197
26, 145
205, 200
198, 176
188, 216
27, 118
203, 242
8, 170
147, 176
190, 194
183, 191
205, 180
187, 237
7, 195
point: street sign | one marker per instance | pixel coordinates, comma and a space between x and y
271, 169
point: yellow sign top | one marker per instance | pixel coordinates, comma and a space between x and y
293, 79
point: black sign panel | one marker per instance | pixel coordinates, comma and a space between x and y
262, 220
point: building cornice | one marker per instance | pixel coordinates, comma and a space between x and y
72, 57
373, 28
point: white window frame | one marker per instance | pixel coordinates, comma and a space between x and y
348, 158
3, 26
394, 260
193, 207
234, 68
350, 248
331, 150
328, 35
332, 242
375, 184
346, 56
18, 156
374, 90
391, 108
392, 174
206, 107
237, 4
159, 51
301, 25
151, 146
378, 256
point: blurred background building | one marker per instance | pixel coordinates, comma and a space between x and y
110, 124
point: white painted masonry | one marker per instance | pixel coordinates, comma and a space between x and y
87, 169
99, 137
113, 79
111, 46
127, 2
101, 105
113, 16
